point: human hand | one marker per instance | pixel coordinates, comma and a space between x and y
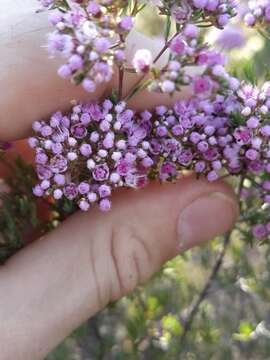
56, 283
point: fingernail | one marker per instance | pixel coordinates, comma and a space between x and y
205, 218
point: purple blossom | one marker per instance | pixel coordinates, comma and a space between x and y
78, 131
101, 172
71, 191
98, 147
142, 60
58, 164
259, 231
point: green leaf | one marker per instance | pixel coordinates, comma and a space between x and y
236, 120
245, 331
167, 28
172, 324
249, 73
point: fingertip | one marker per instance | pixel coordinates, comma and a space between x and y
175, 217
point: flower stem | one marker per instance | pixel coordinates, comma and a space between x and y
121, 74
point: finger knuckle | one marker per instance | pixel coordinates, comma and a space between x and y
131, 260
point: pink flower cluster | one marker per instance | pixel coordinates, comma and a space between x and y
259, 13
91, 36
214, 12
97, 148
222, 129
185, 52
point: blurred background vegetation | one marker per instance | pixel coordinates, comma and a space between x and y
232, 321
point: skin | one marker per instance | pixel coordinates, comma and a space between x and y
53, 285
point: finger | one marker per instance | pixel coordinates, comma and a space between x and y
95, 258
31, 87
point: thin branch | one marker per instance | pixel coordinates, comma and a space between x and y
204, 292
120, 82
140, 80
214, 273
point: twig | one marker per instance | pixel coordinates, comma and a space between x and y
194, 310
140, 80
121, 70
204, 292
121, 81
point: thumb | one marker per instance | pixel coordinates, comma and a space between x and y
148, 228
94, 258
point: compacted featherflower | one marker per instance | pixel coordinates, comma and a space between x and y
222, 130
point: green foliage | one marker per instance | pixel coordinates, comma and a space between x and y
245, 332
171, 324
245, 70
232, 323
18, 212
249, 73
63, 352
237, 119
